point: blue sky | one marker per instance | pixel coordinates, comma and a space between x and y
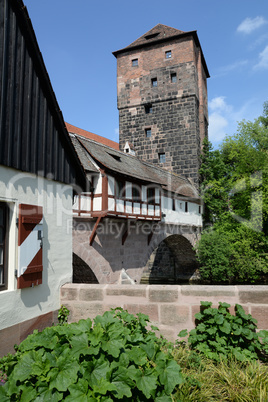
77, 38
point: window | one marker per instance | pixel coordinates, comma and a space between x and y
162, 157
173, 204
168, 54
173, 77
3, 245
151, 36
154, 82
148, 108
186, 207
135, 62
119, 189
136, 192
148, 132
150, 195
199, 209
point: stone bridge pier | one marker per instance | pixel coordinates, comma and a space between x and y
133, 252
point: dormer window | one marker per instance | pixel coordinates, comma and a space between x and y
151, 36
116, 157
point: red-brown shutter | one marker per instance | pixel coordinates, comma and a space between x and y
30, 227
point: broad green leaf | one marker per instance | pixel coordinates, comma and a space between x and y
65, 374
137, 355
79, 344
171, 376
122, 383
28, 393
103, 386
219, 319
78, 391
29, 364
100, 371
164, 398
112, 347
45, 394
225, 327
183, 333
4, 397
146, 382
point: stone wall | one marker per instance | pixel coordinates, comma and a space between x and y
170, 307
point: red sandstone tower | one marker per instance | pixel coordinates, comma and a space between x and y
162, 98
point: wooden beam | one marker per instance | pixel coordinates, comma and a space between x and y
93, 234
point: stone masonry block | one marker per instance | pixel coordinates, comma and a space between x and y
173, 315
69, 293
149, 309
91, 294
163, 294
208, 291
132, 291
260, 313
253, 294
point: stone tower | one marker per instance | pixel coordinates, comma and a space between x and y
162, 98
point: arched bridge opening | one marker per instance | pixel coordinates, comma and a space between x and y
82, 273
173, 261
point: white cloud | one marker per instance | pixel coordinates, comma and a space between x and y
263, 59
251, 24
217, 126
223, 117
219, 104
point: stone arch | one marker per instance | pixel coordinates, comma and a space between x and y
98, 264
172, 260
82, 273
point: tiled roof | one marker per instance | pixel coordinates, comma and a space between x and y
155, 34
75, 130
132, 167
83, 155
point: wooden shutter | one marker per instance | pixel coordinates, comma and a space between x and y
30, 227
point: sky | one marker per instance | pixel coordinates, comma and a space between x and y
77, 38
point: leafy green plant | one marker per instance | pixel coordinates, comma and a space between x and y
219, 334
63, 314
117, 358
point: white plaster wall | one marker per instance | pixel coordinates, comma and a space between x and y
192, 217
56, 199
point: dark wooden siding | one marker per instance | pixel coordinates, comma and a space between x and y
33, 137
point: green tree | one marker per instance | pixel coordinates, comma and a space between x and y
235, 193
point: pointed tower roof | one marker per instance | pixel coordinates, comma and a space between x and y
161, 33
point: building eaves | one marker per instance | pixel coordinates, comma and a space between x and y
28, 33
87, 134
130, 166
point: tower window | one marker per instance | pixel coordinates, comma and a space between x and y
162, 157
148, 108
154, 82
135, 62
168, 54
173, 77
148, 132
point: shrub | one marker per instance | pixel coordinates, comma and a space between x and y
219, 334
116, 358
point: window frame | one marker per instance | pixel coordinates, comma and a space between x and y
172, 76
120, 189
160, 156
148, 130
136, 188
4, 245
154, 82
135, 62
168, 54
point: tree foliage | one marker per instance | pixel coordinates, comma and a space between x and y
235, 193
